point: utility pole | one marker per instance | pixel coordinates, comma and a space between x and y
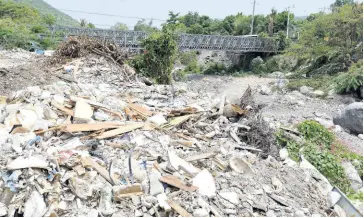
252, 24
288, 22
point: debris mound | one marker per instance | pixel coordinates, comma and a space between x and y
80, 46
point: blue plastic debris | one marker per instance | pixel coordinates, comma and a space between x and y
37, 139
39, 51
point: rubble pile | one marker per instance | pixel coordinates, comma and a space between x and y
86, 146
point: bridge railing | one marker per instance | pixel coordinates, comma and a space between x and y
132, 39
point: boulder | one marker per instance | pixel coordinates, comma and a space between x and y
317, 93
352, 175
305, 89
264, 90
351, 118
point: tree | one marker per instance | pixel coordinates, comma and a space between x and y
49, 19
173, 18
141, 25
83, 23
120, 26
91, 25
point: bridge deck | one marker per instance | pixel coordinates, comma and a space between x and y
131, 39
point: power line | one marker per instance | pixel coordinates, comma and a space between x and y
112, 15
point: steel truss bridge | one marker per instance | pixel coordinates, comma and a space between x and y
132, 39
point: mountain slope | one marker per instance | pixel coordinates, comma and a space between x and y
45, 8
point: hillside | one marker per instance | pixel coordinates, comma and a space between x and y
44, 8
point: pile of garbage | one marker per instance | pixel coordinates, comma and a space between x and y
131, 149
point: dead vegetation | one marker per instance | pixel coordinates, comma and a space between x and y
80, 46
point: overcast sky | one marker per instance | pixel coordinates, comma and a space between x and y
158, 9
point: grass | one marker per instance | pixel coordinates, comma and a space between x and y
322, 83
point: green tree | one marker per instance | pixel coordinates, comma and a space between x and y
83, 23
141, 25
91, 25
49, 19
120, 26
173, 18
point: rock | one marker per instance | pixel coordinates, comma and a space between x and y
299, 213
351, 118
316, 94
105, 205
35, 205
83, 110
157, 119
206, 183
101, 116
338, 128
229, 112
201, 212
281, 83
230, 196
3, 210
270, 213
276, 75
264, 90
339, 211
360, 136
316, 215
241, 166
326, 123
334, 197
162, 202
352, 175
305, 90
283, 154
138, 213
156, 187
324, 184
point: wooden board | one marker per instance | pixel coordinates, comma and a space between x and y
176, 182
120, 130
180, 210
89, 127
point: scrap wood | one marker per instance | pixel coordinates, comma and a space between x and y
89, 127
238, 110
184, 111
120, 130
180, 210
291, 130
116, 145
19, 129
140, 110
200, 157
248, 148
222, 104
188, 144
50, 129
176, 121
62, 108
89, 162
113, 112
121, 192
92, 103
176, 182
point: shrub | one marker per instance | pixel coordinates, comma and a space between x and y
258, 66
187, 57
328, 165
351, 81
215, 68
316, 133
158, 58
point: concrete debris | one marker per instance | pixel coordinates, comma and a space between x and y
353, 175
105, 143
205, 183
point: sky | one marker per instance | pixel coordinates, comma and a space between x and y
158, 9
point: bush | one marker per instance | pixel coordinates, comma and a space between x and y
187, 58
351, 81
158, 58
215, 69
328, 165
316, 133
258, 66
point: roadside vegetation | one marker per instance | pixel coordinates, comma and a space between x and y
324, 151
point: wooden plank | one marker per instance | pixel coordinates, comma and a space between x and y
120, 130
62, 108
200, 157
121, 192
140, 110
176, 182
89, 127
89, 162
180, 210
